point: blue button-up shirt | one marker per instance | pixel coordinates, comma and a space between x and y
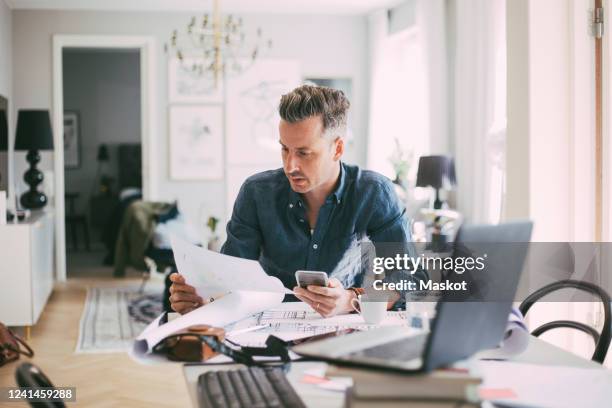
269, 224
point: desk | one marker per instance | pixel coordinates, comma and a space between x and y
538, 352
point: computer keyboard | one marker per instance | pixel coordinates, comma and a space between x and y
254, 387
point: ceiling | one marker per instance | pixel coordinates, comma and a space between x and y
347, 7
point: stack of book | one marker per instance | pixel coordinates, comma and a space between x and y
438, 389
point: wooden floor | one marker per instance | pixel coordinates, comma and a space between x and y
101, 380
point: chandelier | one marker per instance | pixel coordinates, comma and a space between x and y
216, 46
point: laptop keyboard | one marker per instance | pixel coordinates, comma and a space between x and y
252, 387
400, 350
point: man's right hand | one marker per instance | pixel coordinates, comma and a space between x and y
183, 297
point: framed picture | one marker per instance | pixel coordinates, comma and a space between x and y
196, 142
72, 140
253, 97
186, 85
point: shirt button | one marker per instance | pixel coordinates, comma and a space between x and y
290, 205
315, 246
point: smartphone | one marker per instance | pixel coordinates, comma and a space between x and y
315, 278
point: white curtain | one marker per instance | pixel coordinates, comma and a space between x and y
408, 86
411, 84
388, 89
480, 108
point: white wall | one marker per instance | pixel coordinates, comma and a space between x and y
518, 109
6, 77
325, 45
6, 50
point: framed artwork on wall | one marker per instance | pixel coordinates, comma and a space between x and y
72, 140
196, 142
253, 97
188, 86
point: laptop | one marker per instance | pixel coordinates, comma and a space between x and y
461, 327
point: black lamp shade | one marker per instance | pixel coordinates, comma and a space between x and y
3, 131
33, 130
436, 172
103, 153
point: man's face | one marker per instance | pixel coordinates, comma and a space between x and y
309, 159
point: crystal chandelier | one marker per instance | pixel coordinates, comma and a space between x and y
216, 46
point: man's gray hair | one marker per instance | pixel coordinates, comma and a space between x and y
308, 100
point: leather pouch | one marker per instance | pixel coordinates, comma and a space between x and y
11, 346
187, 345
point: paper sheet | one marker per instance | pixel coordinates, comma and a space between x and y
548, 386
516, 339
223, 311
295, 320
212, 273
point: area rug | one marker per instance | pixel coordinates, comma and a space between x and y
114, 316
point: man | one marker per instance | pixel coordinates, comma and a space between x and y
306, 215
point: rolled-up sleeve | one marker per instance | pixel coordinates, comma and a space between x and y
243, 232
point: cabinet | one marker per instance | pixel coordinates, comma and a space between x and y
26, 268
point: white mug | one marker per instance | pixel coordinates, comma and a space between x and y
373, 312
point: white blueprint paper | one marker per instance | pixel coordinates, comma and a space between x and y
212, 273
516, 339
246, 287
295, 320
548, 386
223, 311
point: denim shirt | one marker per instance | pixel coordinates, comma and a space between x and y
269, 224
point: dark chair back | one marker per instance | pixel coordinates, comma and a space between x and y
28, 375
602, 340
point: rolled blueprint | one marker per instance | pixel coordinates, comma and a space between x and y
223, 311
516, 339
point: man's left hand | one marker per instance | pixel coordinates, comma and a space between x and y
327, 301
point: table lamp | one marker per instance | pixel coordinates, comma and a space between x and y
3, 134
437, 172
103, 181
33, 134
103, 155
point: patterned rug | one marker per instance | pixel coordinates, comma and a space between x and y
114, 316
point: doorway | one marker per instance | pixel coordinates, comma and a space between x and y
70, 118
102, 151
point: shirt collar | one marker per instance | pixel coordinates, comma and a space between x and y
296, 198
337, 194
